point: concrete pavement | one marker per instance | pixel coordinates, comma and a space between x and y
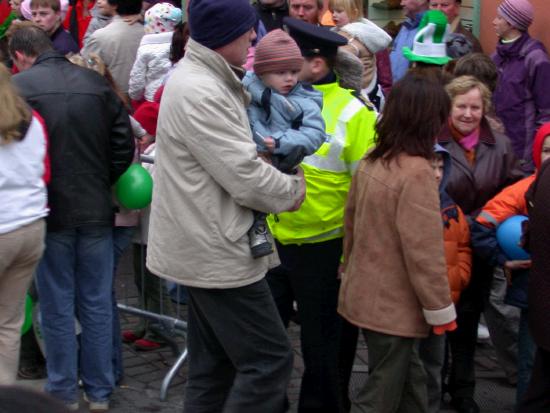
144, 371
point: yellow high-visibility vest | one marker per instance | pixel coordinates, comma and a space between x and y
349, 125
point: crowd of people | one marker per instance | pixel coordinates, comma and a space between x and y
309, 166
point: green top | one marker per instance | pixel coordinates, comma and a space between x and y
6, 24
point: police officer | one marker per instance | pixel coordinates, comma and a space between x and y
309, 241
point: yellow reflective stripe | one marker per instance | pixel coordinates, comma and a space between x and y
330, 159
329, 156
354, 106
489, 218
335, 233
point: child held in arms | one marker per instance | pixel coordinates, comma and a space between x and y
285, 116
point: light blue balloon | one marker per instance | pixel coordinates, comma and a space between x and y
509, 236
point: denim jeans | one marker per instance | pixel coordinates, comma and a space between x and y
122, 237
75, 277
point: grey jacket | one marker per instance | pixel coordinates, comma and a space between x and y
117, 45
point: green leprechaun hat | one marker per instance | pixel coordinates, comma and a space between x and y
430, 41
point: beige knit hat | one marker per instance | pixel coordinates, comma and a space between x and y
275, 52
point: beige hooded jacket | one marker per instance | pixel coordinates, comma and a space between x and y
208, 178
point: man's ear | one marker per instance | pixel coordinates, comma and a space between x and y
22, 61
18, 57
318, 66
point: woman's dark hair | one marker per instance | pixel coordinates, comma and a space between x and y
434, 72
179, 40
416, 110
479, 66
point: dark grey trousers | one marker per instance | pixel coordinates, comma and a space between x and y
240, 358
397, 380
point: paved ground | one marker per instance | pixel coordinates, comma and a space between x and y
144, 372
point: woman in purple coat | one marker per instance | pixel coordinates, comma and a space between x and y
521, 99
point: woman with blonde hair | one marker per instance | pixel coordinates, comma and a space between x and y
483, 163
23, 178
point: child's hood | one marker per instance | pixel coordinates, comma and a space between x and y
369, 34
446, 165
349, 70
542, 133
446, 202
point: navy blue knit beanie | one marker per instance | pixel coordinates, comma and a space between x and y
215, 23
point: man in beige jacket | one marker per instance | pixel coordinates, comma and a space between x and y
117, 43
208, 179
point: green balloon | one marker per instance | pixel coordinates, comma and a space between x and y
28, 315
134, 188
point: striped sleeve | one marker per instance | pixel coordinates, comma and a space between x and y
47, 171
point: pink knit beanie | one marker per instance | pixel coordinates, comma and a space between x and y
277, 51
519, 13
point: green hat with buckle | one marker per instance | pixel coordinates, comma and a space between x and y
430, 41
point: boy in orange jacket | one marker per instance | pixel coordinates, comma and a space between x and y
458, 254
509, 202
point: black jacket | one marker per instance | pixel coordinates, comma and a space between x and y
538, 205
272, 17
90, 138
495, 167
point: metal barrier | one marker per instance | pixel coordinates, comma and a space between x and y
170, 327
172, 324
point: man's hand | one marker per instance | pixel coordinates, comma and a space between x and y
341, 270
269, 143
133, 19
510, 266
264, 156
298, 204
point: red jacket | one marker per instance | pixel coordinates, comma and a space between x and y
5, 10
81, 21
